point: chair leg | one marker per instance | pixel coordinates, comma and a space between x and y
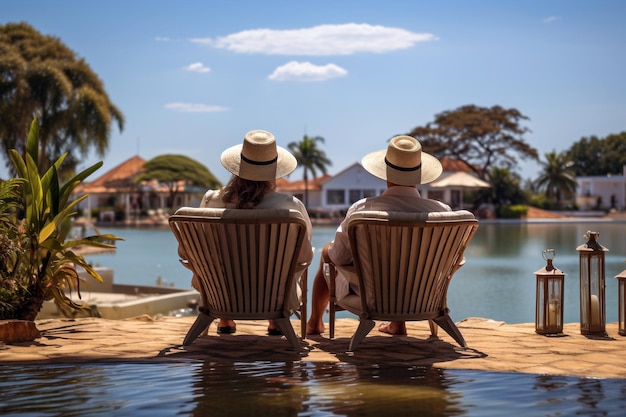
202, 322
284, 325
331, 318
445, 322
365, 326
433, 328
303, 306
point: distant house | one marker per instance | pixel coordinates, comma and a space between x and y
601, 192
338, 192
296, 189
116, 196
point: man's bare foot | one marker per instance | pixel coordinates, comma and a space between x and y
394, 328
312, 328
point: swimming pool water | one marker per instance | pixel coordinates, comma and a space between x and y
296, 389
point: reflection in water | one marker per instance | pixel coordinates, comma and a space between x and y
275, 389
589, 394
296, 389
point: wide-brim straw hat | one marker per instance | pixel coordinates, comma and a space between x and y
403, 163
258, 158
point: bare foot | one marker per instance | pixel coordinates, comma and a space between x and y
226, 323
313, 328
394, 328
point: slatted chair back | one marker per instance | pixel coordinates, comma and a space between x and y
245, 261
404, 262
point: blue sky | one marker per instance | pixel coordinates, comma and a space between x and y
192, 77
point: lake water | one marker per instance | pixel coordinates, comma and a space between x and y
497, 281
297, 389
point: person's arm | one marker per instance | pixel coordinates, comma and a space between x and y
306, 251
339, 251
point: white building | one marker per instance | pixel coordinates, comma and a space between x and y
605, 193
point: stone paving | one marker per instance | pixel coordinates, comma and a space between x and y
493, 346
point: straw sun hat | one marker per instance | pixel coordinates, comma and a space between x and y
403, 163
258, 158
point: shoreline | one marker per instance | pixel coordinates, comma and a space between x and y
492, 346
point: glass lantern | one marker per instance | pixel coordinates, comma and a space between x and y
592, 286
549, 299
621, 306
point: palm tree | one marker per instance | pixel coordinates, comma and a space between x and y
310, 158
40, 76
557, 177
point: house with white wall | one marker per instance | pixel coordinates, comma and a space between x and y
602, 192
338, 192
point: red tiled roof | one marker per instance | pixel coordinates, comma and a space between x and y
283, 184
454, 165
124, 171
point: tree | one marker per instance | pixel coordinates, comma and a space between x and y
175, 171
40, 76
557, 177
310, 158
480, 137
594, 156
505, 189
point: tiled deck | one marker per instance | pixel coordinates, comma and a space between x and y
493, 346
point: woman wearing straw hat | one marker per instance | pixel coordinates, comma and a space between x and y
403, 165
255, 165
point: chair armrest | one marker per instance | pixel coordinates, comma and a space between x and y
301, 267
185, 263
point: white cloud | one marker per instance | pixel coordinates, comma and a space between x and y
305, 71
550, 19
345, 39
195, 107
197, 67
162, 39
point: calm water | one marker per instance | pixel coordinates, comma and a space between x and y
497, 281
297, 389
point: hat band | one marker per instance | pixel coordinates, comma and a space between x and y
405, 169
250, 161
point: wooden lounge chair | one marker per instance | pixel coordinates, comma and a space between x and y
404, 263
246, 262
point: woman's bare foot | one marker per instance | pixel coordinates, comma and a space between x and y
226, 327
314, 328
225, 323
394, 328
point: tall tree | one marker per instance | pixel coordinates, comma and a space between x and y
310, 158
175, 171
557, 177
40, 76
599, 156
480, 137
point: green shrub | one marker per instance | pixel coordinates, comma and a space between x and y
516, 211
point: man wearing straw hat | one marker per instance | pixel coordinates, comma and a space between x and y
255, 165
403, 165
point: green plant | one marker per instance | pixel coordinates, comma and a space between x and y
47, 258
515, 211
13, 281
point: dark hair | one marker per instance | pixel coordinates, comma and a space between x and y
246, 193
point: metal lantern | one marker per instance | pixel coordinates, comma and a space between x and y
592, 286
549, 300
621, 304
